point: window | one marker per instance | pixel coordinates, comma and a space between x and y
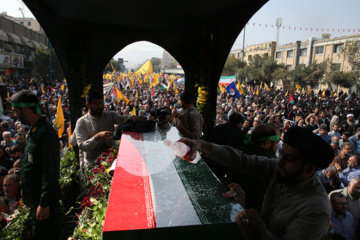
355, 68
29, 23
303, 52
249, 57
22, 23
278, 54
288, 67
338, 47
319, 50
290, 54
336, 67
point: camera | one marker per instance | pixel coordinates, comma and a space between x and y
161, 115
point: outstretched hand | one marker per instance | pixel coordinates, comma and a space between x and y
104, 135
137, 118
251, 225
236, 192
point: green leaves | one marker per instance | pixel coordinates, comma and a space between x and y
20, 227
69, 166
260, 69
94, 204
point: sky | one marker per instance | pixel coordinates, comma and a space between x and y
318, 15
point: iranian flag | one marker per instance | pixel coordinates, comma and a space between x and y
291, 99
162, 86
226, 80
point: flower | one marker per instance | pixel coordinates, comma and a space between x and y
96, 170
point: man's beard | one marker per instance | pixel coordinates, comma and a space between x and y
97, 112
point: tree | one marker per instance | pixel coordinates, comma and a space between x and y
281, 73
156, 64
119, 67
260, 69
42, 63
351, 53
308, 75
344, 79
232, 65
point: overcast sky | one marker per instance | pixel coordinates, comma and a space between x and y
340, 17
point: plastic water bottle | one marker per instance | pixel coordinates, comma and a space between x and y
181, 150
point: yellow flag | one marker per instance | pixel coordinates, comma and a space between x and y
287, 92
297, 86
132, 81
0, 79
133, 112
176, 91
120, 96
115, 75
63, 87
146, 68
323, 93
137, 94
169, 84
42, 88
156, 79
334, 94
266, 87
69, 134
257, 91
221, 88
64, 80
239, 88
249, 88
31, 80
59, 119
309, 90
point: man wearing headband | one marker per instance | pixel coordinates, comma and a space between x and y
39, 167
295, 205
262, 142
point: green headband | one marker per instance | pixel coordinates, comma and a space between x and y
271, 138
23, 104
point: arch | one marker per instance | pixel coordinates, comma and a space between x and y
85, 36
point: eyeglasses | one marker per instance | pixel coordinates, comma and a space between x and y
341, 204
290, 158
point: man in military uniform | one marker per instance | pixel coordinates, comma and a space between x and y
40, 166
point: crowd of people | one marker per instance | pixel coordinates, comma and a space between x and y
256, 123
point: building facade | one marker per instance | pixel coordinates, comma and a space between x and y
313, 50
17, 48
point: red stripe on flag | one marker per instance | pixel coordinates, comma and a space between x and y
130, 202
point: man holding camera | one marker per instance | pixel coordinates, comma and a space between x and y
189, 121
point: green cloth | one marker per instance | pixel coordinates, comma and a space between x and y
40, 166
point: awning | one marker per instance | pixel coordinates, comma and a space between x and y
26, 42
174, 71
3, 36
14, 38
36, 44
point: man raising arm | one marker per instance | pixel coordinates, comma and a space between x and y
295, 204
